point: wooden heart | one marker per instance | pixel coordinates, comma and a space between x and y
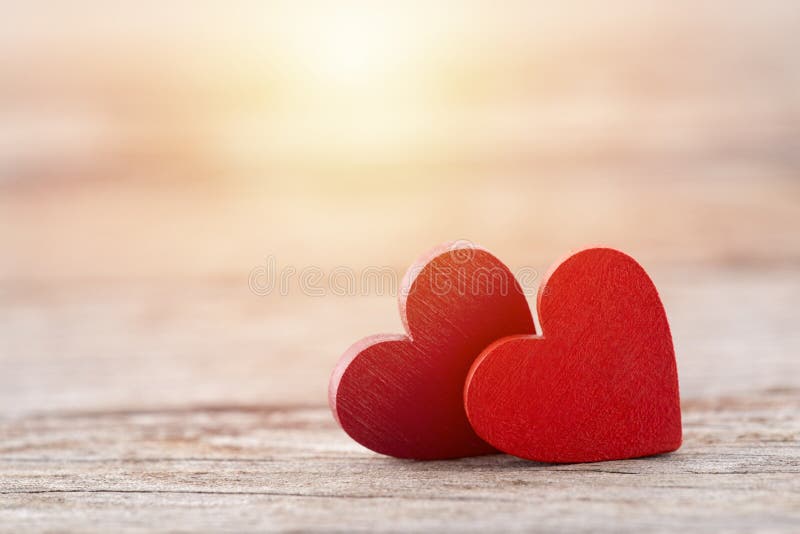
600, 383
402, 395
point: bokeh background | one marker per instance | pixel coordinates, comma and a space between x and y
153, 154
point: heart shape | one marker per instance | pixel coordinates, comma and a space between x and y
403, 395
600, 383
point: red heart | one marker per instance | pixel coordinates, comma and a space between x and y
403, 395
600, 383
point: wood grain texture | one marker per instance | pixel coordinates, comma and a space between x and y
105, 422
403, 395
600, 383
292, 468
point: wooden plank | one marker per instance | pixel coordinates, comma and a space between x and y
274, 468
175, 343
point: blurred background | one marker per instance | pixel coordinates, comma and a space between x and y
153, 154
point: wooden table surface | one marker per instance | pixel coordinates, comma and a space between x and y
133, 408
291, 468
147, 167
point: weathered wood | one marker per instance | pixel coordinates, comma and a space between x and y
272, 468
178, 343
108, 419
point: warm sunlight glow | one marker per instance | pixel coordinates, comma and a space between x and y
355, 81
349, 49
